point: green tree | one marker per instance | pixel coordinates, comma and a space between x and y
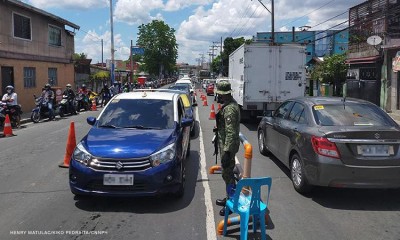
332, 70
230, 45
160, 47
78, 56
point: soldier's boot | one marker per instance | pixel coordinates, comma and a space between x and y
221, 202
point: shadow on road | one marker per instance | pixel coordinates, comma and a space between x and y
357, 199
350, 198
160, 204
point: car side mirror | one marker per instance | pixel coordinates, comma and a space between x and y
186, 122
91, 120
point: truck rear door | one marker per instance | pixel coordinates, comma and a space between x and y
260, 62
290, 72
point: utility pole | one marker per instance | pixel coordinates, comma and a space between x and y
222, 64
112, 44
272, 20
131, 57
102, 53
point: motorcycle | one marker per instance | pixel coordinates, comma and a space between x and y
41, 110
66, 106
13, 111
82, 101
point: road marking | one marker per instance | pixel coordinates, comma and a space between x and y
210, 223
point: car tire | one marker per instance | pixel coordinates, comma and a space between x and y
297, 175
181, 190
261, 144
193, 131
188, 150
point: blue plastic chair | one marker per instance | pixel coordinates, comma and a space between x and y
252, 205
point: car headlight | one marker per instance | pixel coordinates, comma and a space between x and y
166, 154
82, 155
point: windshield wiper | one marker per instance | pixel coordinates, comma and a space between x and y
108, 126
141, 127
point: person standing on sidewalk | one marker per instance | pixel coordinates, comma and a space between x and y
228, 128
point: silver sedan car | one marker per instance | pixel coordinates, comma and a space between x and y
335, 142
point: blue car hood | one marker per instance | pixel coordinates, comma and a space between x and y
126, 143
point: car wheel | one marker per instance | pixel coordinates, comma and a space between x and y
181, 190
261, 144
299, 179
188, 150
193, 130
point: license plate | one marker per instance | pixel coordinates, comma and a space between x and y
118, 179
375, 150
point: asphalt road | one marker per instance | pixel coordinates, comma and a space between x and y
36, 203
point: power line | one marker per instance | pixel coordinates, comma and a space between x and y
307, 14
241, 18
330, 19
90, 34
248, 19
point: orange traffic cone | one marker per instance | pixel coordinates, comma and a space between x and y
94, 106
212, 113
71, 144
205, 102
7, 127
219, 106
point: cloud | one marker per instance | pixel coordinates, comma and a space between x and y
236, 18
74, 4
174, 5
90, 44
226, 18
137, 11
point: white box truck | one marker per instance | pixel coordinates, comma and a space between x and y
263, 76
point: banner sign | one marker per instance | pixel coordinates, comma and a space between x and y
137, 50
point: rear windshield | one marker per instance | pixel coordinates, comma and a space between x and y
184, 87
148, 113
350, 114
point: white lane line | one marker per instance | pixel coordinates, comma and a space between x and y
210, 223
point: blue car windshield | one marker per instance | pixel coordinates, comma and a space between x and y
350, 114
138, 114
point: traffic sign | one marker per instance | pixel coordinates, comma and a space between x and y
137, 50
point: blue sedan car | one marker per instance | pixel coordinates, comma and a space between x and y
136, 147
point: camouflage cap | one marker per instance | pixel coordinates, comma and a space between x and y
224, 87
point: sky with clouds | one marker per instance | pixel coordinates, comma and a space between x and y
198, 23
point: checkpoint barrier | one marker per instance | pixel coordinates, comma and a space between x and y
243, 173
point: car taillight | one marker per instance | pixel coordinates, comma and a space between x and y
324, 147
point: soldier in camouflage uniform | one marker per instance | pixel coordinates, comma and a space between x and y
228, 127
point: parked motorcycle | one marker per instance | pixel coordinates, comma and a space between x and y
41, 110
66, 106
82, 101
14, 112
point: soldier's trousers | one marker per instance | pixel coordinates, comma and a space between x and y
227, 173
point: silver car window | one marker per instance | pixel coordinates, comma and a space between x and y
283, 109
297, 113
350, 114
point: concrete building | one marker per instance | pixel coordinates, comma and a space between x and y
36, 48
318, 43
374, 43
